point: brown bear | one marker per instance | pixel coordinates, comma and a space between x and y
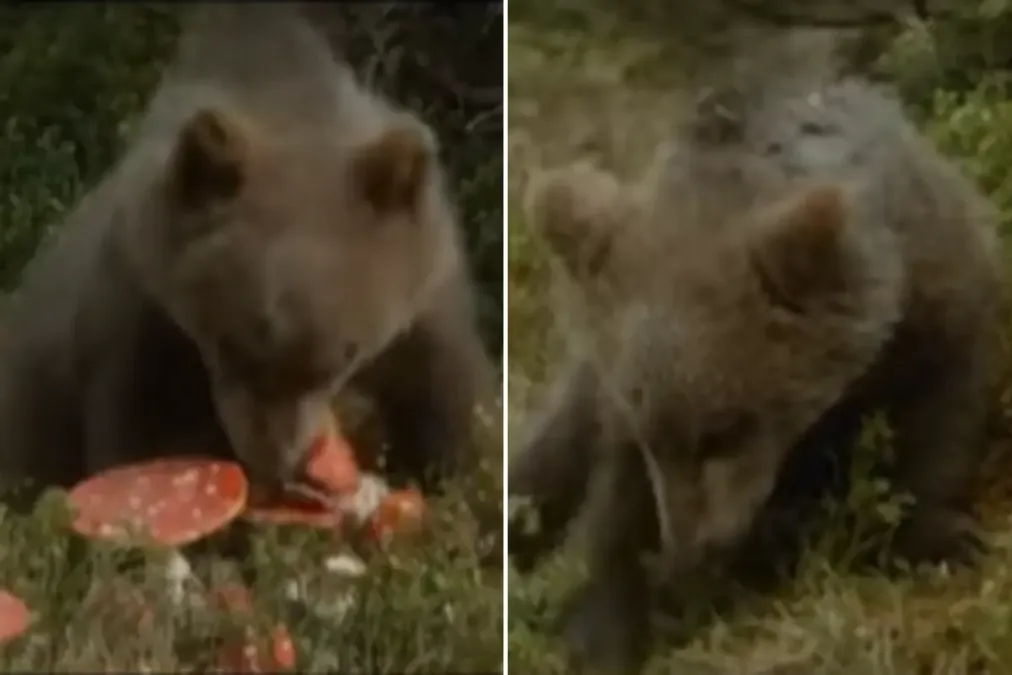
803, 256
275, 234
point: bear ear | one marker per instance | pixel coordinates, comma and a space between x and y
391, 170
579, 210
800, 256
212, 152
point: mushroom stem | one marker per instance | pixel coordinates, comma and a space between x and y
178, 575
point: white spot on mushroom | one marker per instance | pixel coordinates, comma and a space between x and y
197, 513
135, 502
211, 489
185, 479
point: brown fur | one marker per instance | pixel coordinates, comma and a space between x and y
583, 212
802, 257
276, 234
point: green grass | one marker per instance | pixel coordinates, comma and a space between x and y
577, 95
423, 605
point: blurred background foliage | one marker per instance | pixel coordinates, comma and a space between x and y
74, 76
949, 61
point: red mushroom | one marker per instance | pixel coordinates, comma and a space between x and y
331, 463
294, 512
330, 472
173, 501
400, 512
246, 657
14, 616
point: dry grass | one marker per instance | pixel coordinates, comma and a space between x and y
571, 97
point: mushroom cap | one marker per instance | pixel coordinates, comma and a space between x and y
173, 501
14, 616
246, 657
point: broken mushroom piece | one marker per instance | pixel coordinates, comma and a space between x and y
246, 657
331, 471
294, 512
331, 463
174, 501
14, 616
379, 512
400, 512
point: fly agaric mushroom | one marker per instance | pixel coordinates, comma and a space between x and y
331, 463
14, 616
336, 490
379, 512
173, 501
246, 657
330, 471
